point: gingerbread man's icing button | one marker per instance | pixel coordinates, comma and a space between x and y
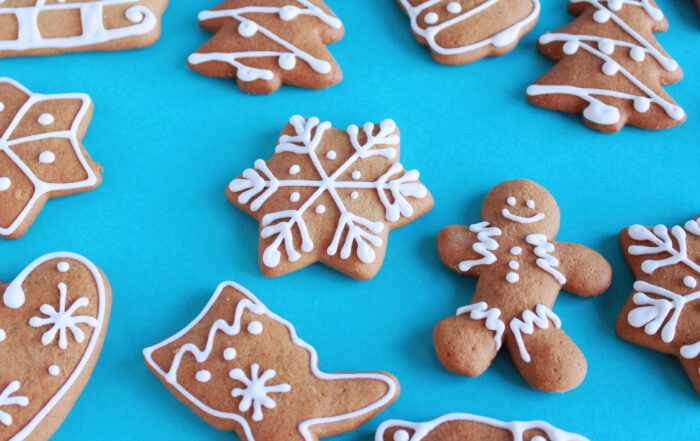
521, 270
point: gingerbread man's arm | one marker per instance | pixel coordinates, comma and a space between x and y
587, 273
468, 250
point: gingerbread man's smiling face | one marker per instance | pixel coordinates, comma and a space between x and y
522, 207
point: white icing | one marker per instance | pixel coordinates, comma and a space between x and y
14, 295
521, 219
2, 105
92, 14
513, 265
47, 157
62, 320
294, 197
454, 7
540, 318
255, 327
259, 184
597, 111
516, 428
356, 175
545, 260
691, 351
45, 119
7, 398
41, 188
331, 155
690, 282
516, 251
511, 201
512, 277
252, 304
320, 209
662, 244
503, 38
286, 58
294, 169
530, 203
229, 354
484, 246
354, 195
203, 376
256, 392
5, 183
54, 370
3, 335
480, 311
400, 435
63, 267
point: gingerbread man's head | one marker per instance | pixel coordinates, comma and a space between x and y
521, 207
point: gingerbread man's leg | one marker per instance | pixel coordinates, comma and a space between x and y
545, 356
467, 343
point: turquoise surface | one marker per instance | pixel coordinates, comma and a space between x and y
161, 229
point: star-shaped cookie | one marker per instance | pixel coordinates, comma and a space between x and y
331, 196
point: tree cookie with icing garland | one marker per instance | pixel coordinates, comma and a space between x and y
462, 426
521, 270
464, 31
53, 320
663, 311
41, 155
265, 43
330, 195
48, 27
242, 368
610, 68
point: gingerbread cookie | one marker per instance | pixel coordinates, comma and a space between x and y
663, 312
520, 270
462, 426
53, 320
464, 31
48, 27
41, 156
242, 368
610, 67
331, 196
264, 43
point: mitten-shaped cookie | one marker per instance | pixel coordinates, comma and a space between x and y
663, 311
242, 368
520, 271
41, 156
265, 43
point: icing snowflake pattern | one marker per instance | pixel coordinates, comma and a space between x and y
257, 185
91, 12
8, 399
256, 392
63, 320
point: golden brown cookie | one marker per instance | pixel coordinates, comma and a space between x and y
48, 27
610, 67
41, 156
53, 320
521, 270
663, 311
462, 426
242, 368
464, 31
329, 195
265, 43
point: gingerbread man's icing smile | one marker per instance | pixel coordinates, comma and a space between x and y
508, 214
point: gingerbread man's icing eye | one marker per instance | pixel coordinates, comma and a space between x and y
511, 201
530, 203
431, 18
690, 282
454, 7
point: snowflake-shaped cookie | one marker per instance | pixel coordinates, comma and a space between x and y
330, 196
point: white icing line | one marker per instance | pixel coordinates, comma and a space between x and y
479, 311
521, 219
484, 246
543, 250
540, 318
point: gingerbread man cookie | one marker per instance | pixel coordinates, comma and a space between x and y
41, 156
462, 426
331, 196
264, 43
663, 312
53, 320
242, 368
464, 31
47, 27
521, 270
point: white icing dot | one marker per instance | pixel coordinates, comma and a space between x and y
538, 438
615, 5
229, 354
610, 68
247, 28
530, 203
63, 266
354, 195
54, 370
320, 209
2, 106
570, 47
513, 265
255, 327
690, 281
331, 155
356, 175
288, 12
3, 335
45, 119
601, 16
606, 46
454, 8
5, 183
511, 201
287, 61
637, 54
294, 197
294, 169
431, 18
47, 157
401, 435
203, 376
641, 104
512, 277
516, 251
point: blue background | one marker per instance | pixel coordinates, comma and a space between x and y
161, 229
